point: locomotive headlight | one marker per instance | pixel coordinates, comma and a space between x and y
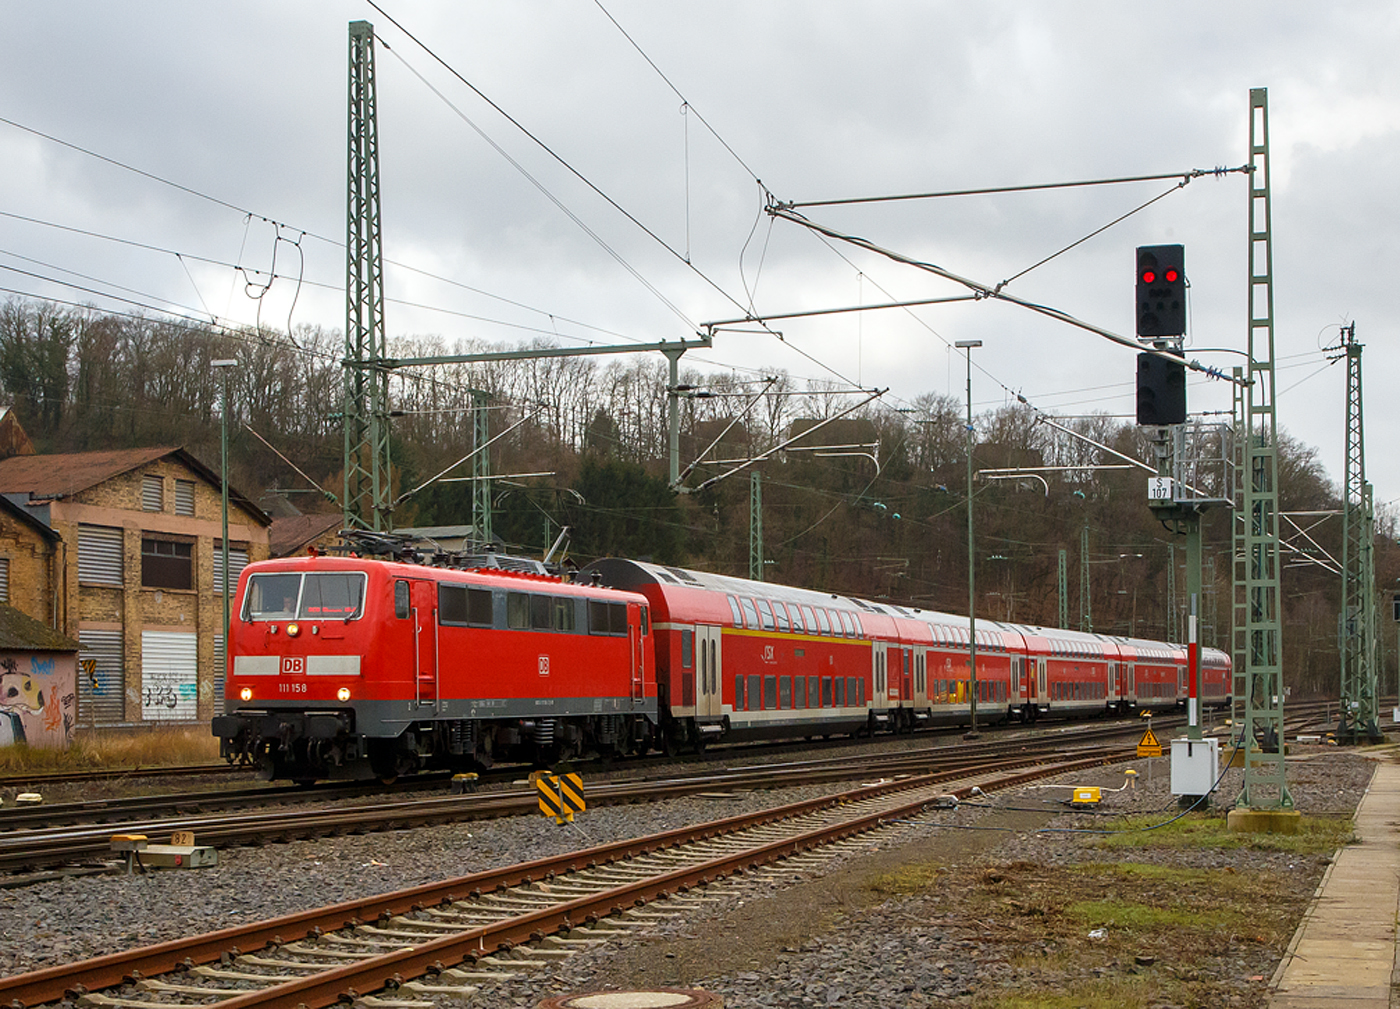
246, 694
293, 630
343, 694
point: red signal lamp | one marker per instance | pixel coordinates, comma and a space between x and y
1171, 275
1149, 277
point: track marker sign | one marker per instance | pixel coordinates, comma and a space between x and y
1149, 746
561, 795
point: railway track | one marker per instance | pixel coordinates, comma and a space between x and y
80, 833
28, 849
452, 937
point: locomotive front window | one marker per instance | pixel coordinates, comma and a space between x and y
272, 597
332, 595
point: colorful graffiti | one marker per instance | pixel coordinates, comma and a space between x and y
38, 699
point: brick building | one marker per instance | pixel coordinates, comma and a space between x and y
136, 576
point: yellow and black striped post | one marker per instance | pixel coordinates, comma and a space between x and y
561, 796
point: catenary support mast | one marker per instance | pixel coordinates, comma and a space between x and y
1359, 720
1265, 786
367, 495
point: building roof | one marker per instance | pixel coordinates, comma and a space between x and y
19, 632
65, 474
8, 507
288, 535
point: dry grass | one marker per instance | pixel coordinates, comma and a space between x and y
162, 747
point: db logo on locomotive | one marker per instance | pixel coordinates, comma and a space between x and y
294, 664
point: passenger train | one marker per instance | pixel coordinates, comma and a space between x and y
347, 667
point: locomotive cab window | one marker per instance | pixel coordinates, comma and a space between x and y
401, 609
272, 597
332, 595
329, 595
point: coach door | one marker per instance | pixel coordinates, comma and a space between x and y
1018, 670
920, 677
709, 675
1042, 693
423, 607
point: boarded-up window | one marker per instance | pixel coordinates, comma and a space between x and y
152, 492
220, 673
184, 497
169, 678
237, 561
101, 678
166, 564
99, 555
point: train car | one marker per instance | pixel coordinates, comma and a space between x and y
1068, 673
1215, 685
738, 659
351, 668
1155, 673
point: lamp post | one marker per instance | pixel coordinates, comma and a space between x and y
966, 346
223, 366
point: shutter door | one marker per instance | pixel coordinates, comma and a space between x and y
220, 671
169, 676
4, 579
99, 555
237, 561
101, 678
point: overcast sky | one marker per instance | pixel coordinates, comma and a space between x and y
246, 103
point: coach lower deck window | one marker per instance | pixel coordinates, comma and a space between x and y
687, 649
755, 701
739, 693
785, 691
814, 692
770, 693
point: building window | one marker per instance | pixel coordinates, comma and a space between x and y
166, 564
184, 497
99, 555
152, 492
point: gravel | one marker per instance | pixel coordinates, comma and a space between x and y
829, 940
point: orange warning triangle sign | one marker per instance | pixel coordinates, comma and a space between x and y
1148, 746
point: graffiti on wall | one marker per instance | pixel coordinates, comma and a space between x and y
38, 699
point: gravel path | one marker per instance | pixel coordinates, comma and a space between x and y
840, 937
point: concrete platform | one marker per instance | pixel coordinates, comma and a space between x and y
1344, 954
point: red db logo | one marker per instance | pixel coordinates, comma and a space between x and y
294, 664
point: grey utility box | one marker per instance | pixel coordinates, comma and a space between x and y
1195, 765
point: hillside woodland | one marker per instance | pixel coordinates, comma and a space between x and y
871, 504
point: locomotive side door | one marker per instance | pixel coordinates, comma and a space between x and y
423, 607
709, 683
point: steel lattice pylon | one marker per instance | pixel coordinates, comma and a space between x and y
367, 500
1086, 613
1064, 589
1258, 596
481, 470
1360, 713
755, 526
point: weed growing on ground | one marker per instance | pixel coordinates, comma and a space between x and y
1316, 834
93, 749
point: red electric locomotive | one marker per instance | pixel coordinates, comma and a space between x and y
345, 668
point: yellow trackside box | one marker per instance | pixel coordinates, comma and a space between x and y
1085, 794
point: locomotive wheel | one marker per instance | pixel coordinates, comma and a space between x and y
388, 779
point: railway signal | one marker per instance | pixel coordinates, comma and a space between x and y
1161, 391
1161, 290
